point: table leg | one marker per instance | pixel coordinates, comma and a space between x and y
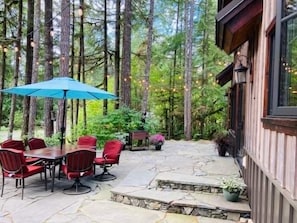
53, 175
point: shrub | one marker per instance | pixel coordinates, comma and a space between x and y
117, 124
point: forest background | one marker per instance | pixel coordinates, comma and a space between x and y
158, 56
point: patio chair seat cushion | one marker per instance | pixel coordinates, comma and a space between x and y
102, 161
27, 171
72, 175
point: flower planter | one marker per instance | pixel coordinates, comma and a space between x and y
157, 140
158, 147
231, 188
231, 196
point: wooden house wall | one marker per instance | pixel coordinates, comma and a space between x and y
271, 170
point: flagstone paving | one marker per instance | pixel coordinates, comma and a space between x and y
183, 160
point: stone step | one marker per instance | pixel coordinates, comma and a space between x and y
217, 220
175, 181
182, 202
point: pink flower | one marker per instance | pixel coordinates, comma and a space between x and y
157, 139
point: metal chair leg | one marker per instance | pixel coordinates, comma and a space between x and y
77, 188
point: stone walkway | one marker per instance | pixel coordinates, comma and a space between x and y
137, 169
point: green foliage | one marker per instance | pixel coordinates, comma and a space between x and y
232, 185
54, 140
166, 90
210, 113
116, 124
166, 97
18, 119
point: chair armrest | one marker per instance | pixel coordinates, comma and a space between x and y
37, 162
106, 155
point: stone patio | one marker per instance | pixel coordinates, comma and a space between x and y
143, 172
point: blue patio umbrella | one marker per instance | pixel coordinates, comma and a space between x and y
61, 88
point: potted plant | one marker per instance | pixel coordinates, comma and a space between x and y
157, 140
231, 188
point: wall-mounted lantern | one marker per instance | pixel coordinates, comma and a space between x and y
240, 74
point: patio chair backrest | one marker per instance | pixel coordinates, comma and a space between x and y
87, 140
80, 160
14, 144
13, 161
112, 151
36, 143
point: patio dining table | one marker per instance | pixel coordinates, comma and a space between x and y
53, 154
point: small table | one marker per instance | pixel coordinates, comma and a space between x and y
53, 154
142, 139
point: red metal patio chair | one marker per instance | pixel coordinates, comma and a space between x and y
36, 143
18, 145
79, 163
14, 166
110, 156
87, 140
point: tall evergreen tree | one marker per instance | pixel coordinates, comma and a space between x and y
29, 63
148, 58
117, 52
48, 65
189, 13
126, 56
64, 57
3, 58
16, 70
35, 66
105, 83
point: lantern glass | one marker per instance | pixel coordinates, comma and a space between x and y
240, 74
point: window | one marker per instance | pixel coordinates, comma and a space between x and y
284, 68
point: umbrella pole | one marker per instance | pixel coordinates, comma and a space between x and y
63, 120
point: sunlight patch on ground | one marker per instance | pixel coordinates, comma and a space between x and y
178, 218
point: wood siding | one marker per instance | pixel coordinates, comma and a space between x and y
270, 202
271, 167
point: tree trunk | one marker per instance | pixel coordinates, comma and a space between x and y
36, 40
170, 129
80, 74
64, 59
49, 114
73, 107
117, 53
148, 59
126, 55
16, 71
82, 63
205, 53
105, 83
3, 61
189, 12
29, 63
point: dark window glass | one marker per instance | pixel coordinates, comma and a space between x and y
288, 65
283, 61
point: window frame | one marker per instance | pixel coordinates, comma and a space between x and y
276, 110
272, 116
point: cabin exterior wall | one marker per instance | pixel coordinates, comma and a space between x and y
271, 159
269, 149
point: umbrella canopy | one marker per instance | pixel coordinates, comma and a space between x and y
61, 88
